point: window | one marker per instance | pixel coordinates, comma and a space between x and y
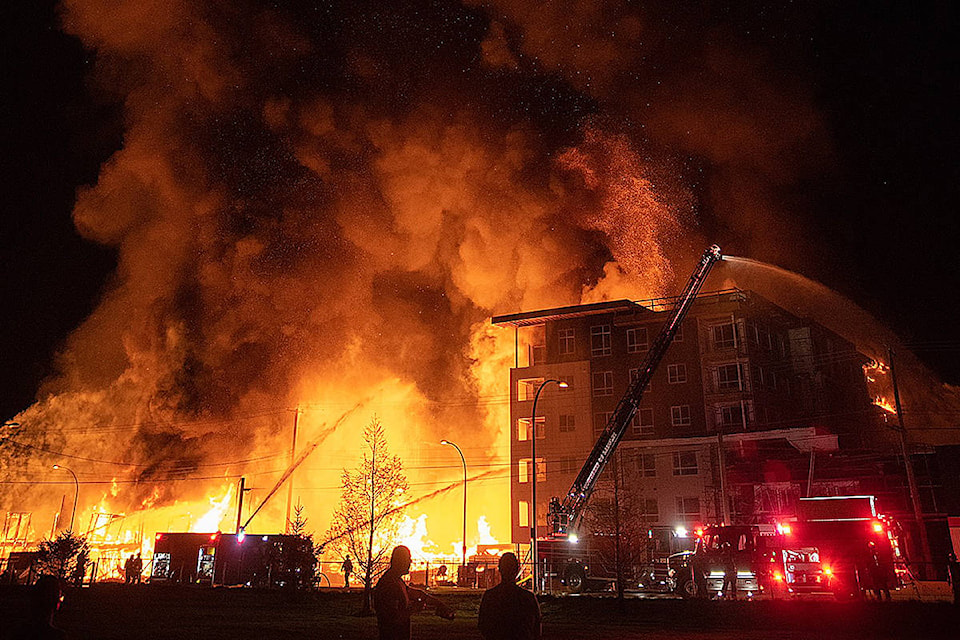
603, 383
523, 470
569, 466
680, 415
600, 421
537, 347
676, 373
647, 465
764, 378
523, 428
688, 510
731, 416
649, 510
728, 377
541, 470
567, 423
600, 340
523, 513
685, 463
527, 388
637, 340
643, 422
567, 339
724, 336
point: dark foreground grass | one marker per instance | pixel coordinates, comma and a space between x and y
149, 611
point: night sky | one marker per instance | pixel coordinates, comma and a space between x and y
880, 206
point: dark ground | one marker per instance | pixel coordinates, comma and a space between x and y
115, 611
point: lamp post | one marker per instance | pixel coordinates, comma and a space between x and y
76, 492
533, 474
463, 561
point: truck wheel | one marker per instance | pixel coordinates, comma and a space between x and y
688, 588
575, 579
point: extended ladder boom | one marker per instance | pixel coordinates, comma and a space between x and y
564, 516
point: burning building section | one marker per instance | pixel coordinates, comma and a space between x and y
314, 218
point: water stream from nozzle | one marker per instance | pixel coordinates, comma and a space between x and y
809, 298
807, 283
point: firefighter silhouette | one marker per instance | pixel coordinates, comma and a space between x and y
347, 567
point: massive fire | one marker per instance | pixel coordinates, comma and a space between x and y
304, 242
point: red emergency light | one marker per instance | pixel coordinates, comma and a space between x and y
213, 537
159, 536
827, 571
784, 529
877, 527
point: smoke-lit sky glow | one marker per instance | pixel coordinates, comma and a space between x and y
322, 204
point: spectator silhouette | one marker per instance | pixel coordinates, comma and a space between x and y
45, 601
507, 611
394, 601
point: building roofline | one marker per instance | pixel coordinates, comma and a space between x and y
652, 305
541, 316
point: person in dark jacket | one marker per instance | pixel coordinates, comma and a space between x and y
394, 601
46, 597
507, 611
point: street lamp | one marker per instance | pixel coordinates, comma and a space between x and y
76, 493
533, 474
463, 562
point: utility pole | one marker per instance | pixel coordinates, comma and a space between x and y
616, 526
911, 478
293, 453
243, 481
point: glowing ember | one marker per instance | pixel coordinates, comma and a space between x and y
884, 404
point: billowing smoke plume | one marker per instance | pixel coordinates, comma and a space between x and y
316, 205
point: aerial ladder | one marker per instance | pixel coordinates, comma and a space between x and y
564, 516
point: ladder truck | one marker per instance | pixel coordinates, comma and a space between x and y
565, 516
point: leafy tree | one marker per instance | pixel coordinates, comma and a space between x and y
59, 557
372, 496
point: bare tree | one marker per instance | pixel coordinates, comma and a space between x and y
616, 522
366, 522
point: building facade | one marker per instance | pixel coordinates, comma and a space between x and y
724, 430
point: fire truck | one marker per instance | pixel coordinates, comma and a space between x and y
836, 545
232, 559
839, 544
565, 554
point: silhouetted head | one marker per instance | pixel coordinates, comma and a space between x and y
509, 567
47, 595
400, 559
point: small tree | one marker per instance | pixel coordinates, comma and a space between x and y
298, 526
59, 557
298, 560
372, 496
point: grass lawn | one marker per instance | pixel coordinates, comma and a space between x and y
110, 611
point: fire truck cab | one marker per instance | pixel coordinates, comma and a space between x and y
750, 552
